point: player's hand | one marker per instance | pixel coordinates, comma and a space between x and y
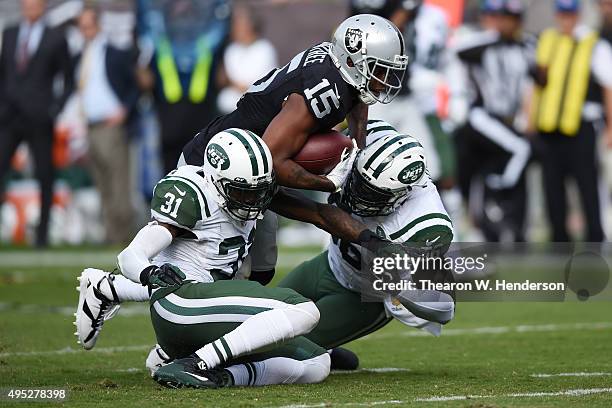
342, 170
162, 276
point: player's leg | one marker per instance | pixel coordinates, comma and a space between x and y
100, 296
297, 361
264, 252
261, 263
224, 320
344, 316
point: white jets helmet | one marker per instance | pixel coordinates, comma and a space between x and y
238, 164
383, 174
369, 51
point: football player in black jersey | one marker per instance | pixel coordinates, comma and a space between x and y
320, 87
316, 90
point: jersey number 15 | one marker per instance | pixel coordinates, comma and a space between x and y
321, 96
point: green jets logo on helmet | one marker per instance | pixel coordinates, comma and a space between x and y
217, 157
412, 173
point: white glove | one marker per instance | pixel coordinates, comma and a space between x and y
342, 170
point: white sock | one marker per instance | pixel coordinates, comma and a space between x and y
129, 291
281, 370
262, 329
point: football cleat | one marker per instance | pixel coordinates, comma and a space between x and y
156, 359
343, 359
98, 302
192, 372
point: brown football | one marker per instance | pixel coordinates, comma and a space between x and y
322, 151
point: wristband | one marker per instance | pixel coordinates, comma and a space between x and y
145, 274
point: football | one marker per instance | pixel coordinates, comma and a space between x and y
322, 152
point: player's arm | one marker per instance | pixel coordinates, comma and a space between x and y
358, 123
285, 136
327, 217
135, 260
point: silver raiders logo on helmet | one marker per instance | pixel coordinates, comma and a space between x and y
353, 40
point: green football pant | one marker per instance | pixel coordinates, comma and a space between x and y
344, 317
187, 317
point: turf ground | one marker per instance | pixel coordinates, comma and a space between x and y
492, 355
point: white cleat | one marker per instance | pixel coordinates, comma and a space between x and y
98, 302
156, 359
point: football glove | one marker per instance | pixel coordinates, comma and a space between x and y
339, 174
162, 276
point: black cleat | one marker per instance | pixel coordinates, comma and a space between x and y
343, 359
191, 372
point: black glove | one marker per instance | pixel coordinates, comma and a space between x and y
162, 276
375, 243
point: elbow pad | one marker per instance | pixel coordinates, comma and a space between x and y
149, 241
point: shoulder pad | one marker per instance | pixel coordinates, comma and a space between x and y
179, 200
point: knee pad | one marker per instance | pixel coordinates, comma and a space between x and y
303, 316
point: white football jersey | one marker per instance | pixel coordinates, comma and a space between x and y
214, 244
420, 219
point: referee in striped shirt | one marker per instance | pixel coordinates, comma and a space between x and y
492, 154
569, 114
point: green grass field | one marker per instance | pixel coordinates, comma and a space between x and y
492, 355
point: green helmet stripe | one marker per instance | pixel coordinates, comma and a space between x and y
373, 121
249, 149
261, 150
380, 150
397, 152
381, 128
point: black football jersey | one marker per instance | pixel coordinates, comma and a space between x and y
311, 74
383, 8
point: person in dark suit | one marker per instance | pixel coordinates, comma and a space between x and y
108, 95
32, 56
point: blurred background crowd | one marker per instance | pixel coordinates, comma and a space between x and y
508, 97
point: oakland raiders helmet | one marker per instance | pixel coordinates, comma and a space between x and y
369, 51
238, 164
383, 174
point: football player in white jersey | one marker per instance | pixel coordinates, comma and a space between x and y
183, 263
390, 191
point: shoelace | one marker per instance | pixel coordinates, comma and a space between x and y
105, 305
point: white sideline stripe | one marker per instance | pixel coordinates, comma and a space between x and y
455, 332
70, 350
372, 370
125, 310
581, 374
525, 328
17, 259
570, 393
129, 370
346, 404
